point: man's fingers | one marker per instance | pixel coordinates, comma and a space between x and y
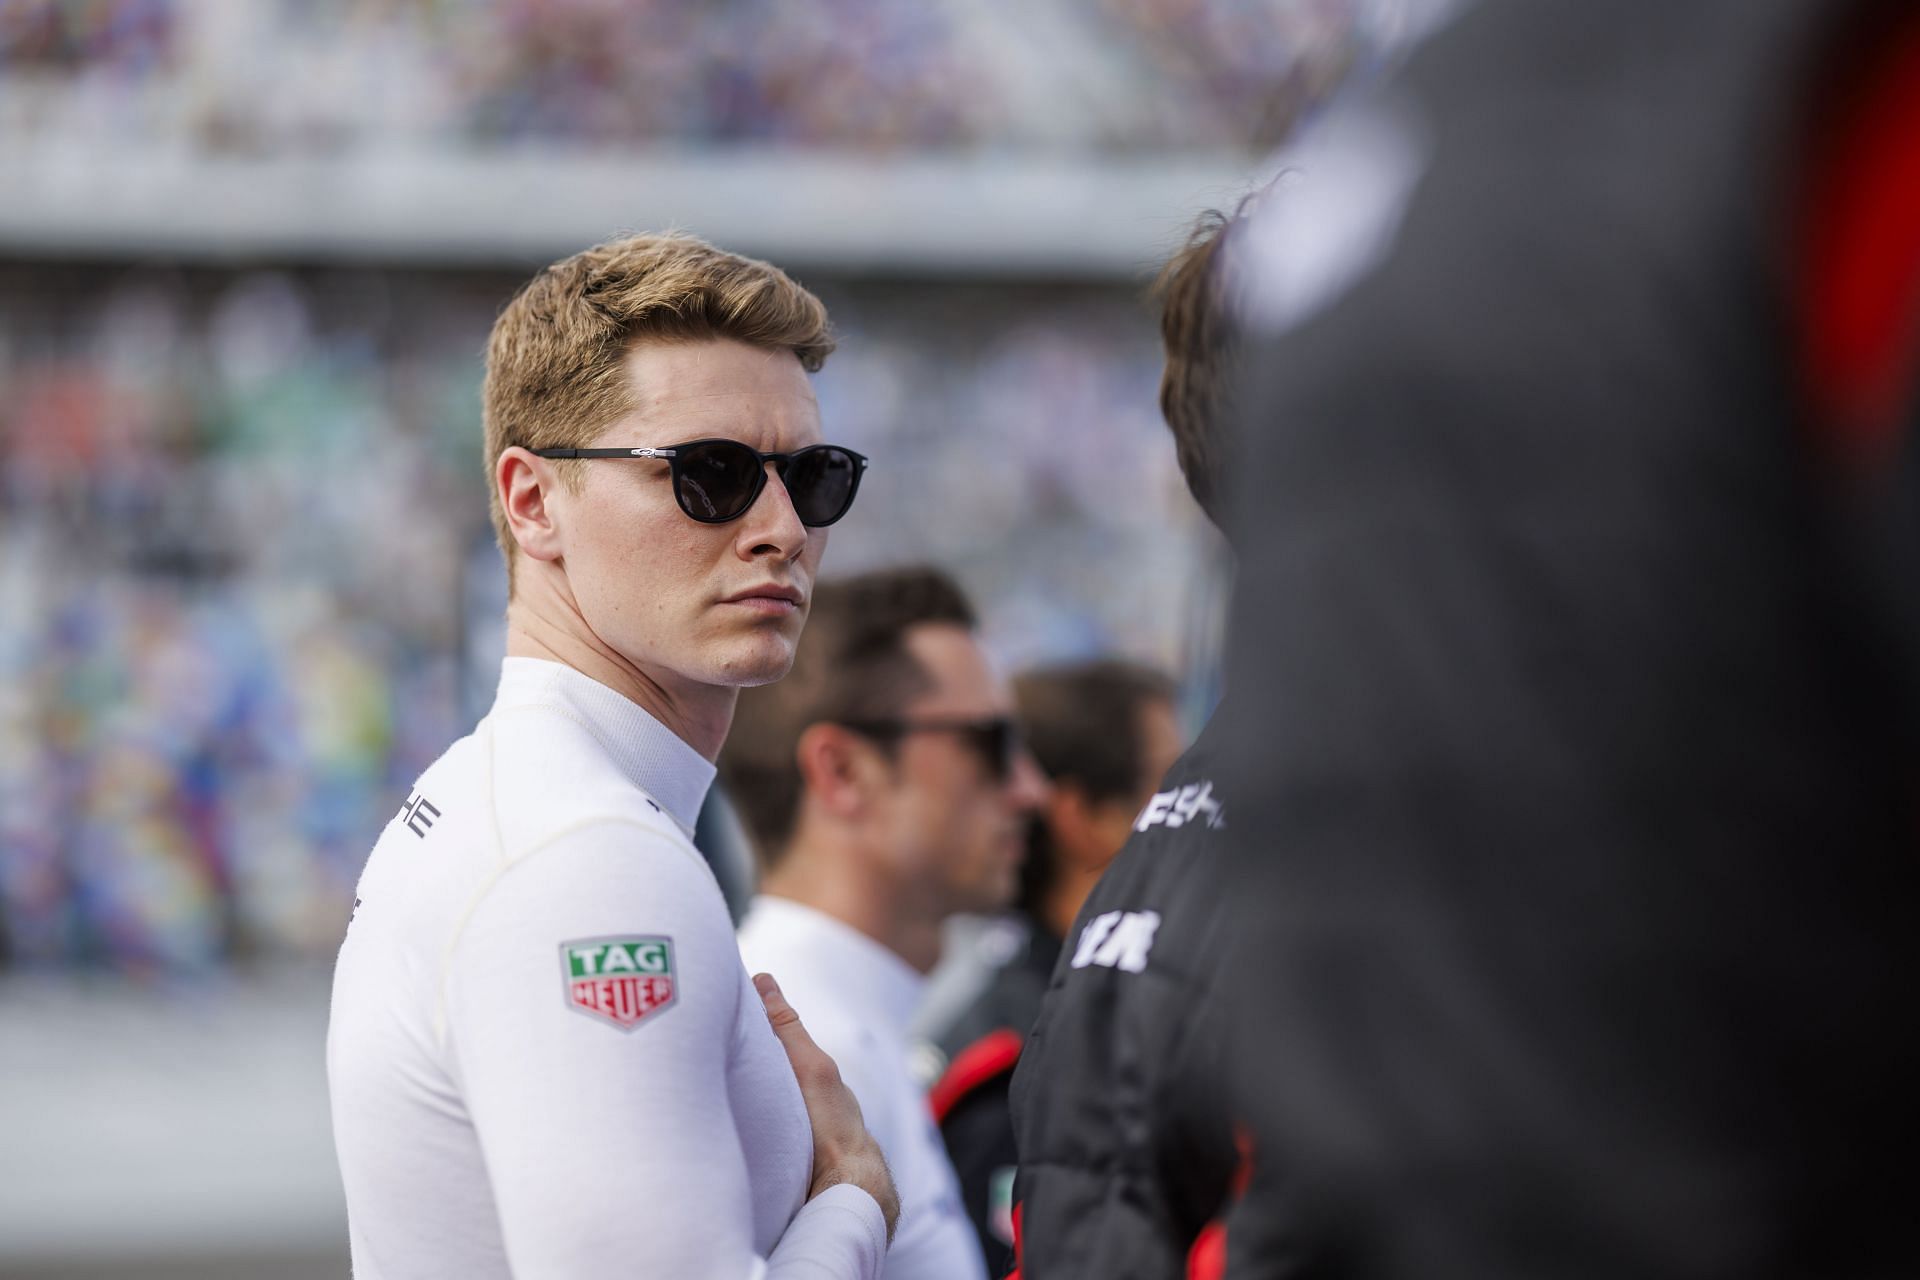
786, 1023
843, 1150
811, 1065
779, 1012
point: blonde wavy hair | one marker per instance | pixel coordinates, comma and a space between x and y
554, 375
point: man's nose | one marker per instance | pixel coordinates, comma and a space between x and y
772, 521
1028, 785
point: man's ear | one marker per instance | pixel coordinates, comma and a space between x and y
839, 769
526, 484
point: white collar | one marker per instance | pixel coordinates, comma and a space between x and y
870, 974
653, 757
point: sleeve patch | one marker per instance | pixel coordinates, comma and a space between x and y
622, 981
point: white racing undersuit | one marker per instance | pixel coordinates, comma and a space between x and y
545, 1057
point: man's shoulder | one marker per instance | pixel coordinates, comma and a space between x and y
1188, 804
429, 838
514, 785
488, 806
550, 774
1176, 835
1156, 908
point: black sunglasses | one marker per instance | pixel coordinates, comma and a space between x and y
997, 739
715, 481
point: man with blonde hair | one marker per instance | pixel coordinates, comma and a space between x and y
545, 1057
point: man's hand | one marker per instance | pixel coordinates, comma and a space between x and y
843, 1150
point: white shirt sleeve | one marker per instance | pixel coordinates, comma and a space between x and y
611, 1149
840, 1232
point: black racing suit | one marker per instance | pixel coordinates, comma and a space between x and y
1573, 767
1127, 1149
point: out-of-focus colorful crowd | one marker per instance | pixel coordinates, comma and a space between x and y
1121, 75
250, 590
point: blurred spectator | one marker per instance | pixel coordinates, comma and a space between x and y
885, 787
1104, 732
1125, 1135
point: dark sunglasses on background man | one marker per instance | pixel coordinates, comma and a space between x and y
715, 481
996, 739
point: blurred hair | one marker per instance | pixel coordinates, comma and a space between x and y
1201, 339
1084, 725
554, 376
852, 664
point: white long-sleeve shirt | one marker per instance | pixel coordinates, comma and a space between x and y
858, 1000
545, 1057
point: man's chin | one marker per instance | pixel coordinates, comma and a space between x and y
993, 898
754, 681
756, 661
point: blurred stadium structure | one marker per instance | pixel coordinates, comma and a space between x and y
955, 135
248, 257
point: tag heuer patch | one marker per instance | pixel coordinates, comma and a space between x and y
621, 980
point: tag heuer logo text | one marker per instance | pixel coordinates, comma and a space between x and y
618, 980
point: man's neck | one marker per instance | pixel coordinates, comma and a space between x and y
833, 885
1061, 903
544, 627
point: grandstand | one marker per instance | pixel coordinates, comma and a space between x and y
248, 257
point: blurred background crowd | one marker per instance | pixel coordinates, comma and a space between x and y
252, 590
1124, 75
247, 585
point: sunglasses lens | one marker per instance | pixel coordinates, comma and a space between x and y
821, 481
717, 479
998, 742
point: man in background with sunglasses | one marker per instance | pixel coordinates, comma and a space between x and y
544, 1057
886, 788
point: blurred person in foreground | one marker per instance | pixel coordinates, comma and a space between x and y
1573, 736
1104, 732
1128, 1152
545, 1058
885, 787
